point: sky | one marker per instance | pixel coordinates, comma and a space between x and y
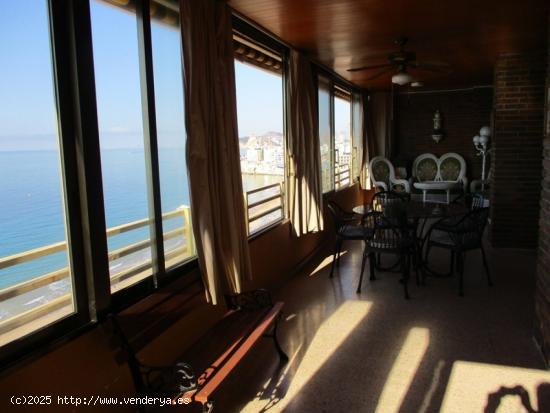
27, 99
27, 106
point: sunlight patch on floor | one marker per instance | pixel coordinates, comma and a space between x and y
270, 395
404, 370
479, 387
327, 261
326, 342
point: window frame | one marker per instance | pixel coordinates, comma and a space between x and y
266, 41
338, 83
70, 37
339, 89
65, 58
160, 274
330, 84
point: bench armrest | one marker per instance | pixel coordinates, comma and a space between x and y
173, 379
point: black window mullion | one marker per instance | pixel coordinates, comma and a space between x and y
150, 135
60, 40
79, 131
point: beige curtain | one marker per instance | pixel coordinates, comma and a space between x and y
380, 106
305, 194
213, 159
369, 139
377, 129
357, 135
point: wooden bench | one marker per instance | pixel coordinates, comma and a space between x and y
202, 368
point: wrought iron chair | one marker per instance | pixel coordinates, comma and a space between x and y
389, 199
346, 215
391, 202
347, 227
389, 235
461, 236
477, 201
471, 201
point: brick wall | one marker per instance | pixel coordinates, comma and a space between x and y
464, 113
517, 148
542, 298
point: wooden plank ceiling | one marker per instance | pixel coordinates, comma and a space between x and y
466, 34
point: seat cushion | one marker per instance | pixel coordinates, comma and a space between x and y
450, 169
426, 170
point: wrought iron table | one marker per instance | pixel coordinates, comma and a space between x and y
422, 211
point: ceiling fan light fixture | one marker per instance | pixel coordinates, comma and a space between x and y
401, 78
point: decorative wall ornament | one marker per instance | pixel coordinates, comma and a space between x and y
437, 134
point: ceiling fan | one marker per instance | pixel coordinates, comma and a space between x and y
401, 60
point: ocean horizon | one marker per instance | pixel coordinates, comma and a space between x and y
32, 212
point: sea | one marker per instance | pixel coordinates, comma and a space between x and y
31, 202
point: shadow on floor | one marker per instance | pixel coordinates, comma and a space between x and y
376, 352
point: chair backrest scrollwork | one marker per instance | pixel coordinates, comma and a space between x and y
449, 167
382, 175
425, 167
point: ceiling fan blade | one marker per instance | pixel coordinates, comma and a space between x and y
358, 69
377, 75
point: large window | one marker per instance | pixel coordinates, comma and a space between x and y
342, 139
261, 141
339, 152
36, 282
171, 137
129, 173
123, 160
54, 254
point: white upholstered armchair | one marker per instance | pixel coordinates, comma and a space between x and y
382, 175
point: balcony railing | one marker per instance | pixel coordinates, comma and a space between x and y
264, 206
341, 176
130, 274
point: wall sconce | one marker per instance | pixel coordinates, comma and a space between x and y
437, 133
481, 143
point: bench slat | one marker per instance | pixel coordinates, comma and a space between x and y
218, 376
